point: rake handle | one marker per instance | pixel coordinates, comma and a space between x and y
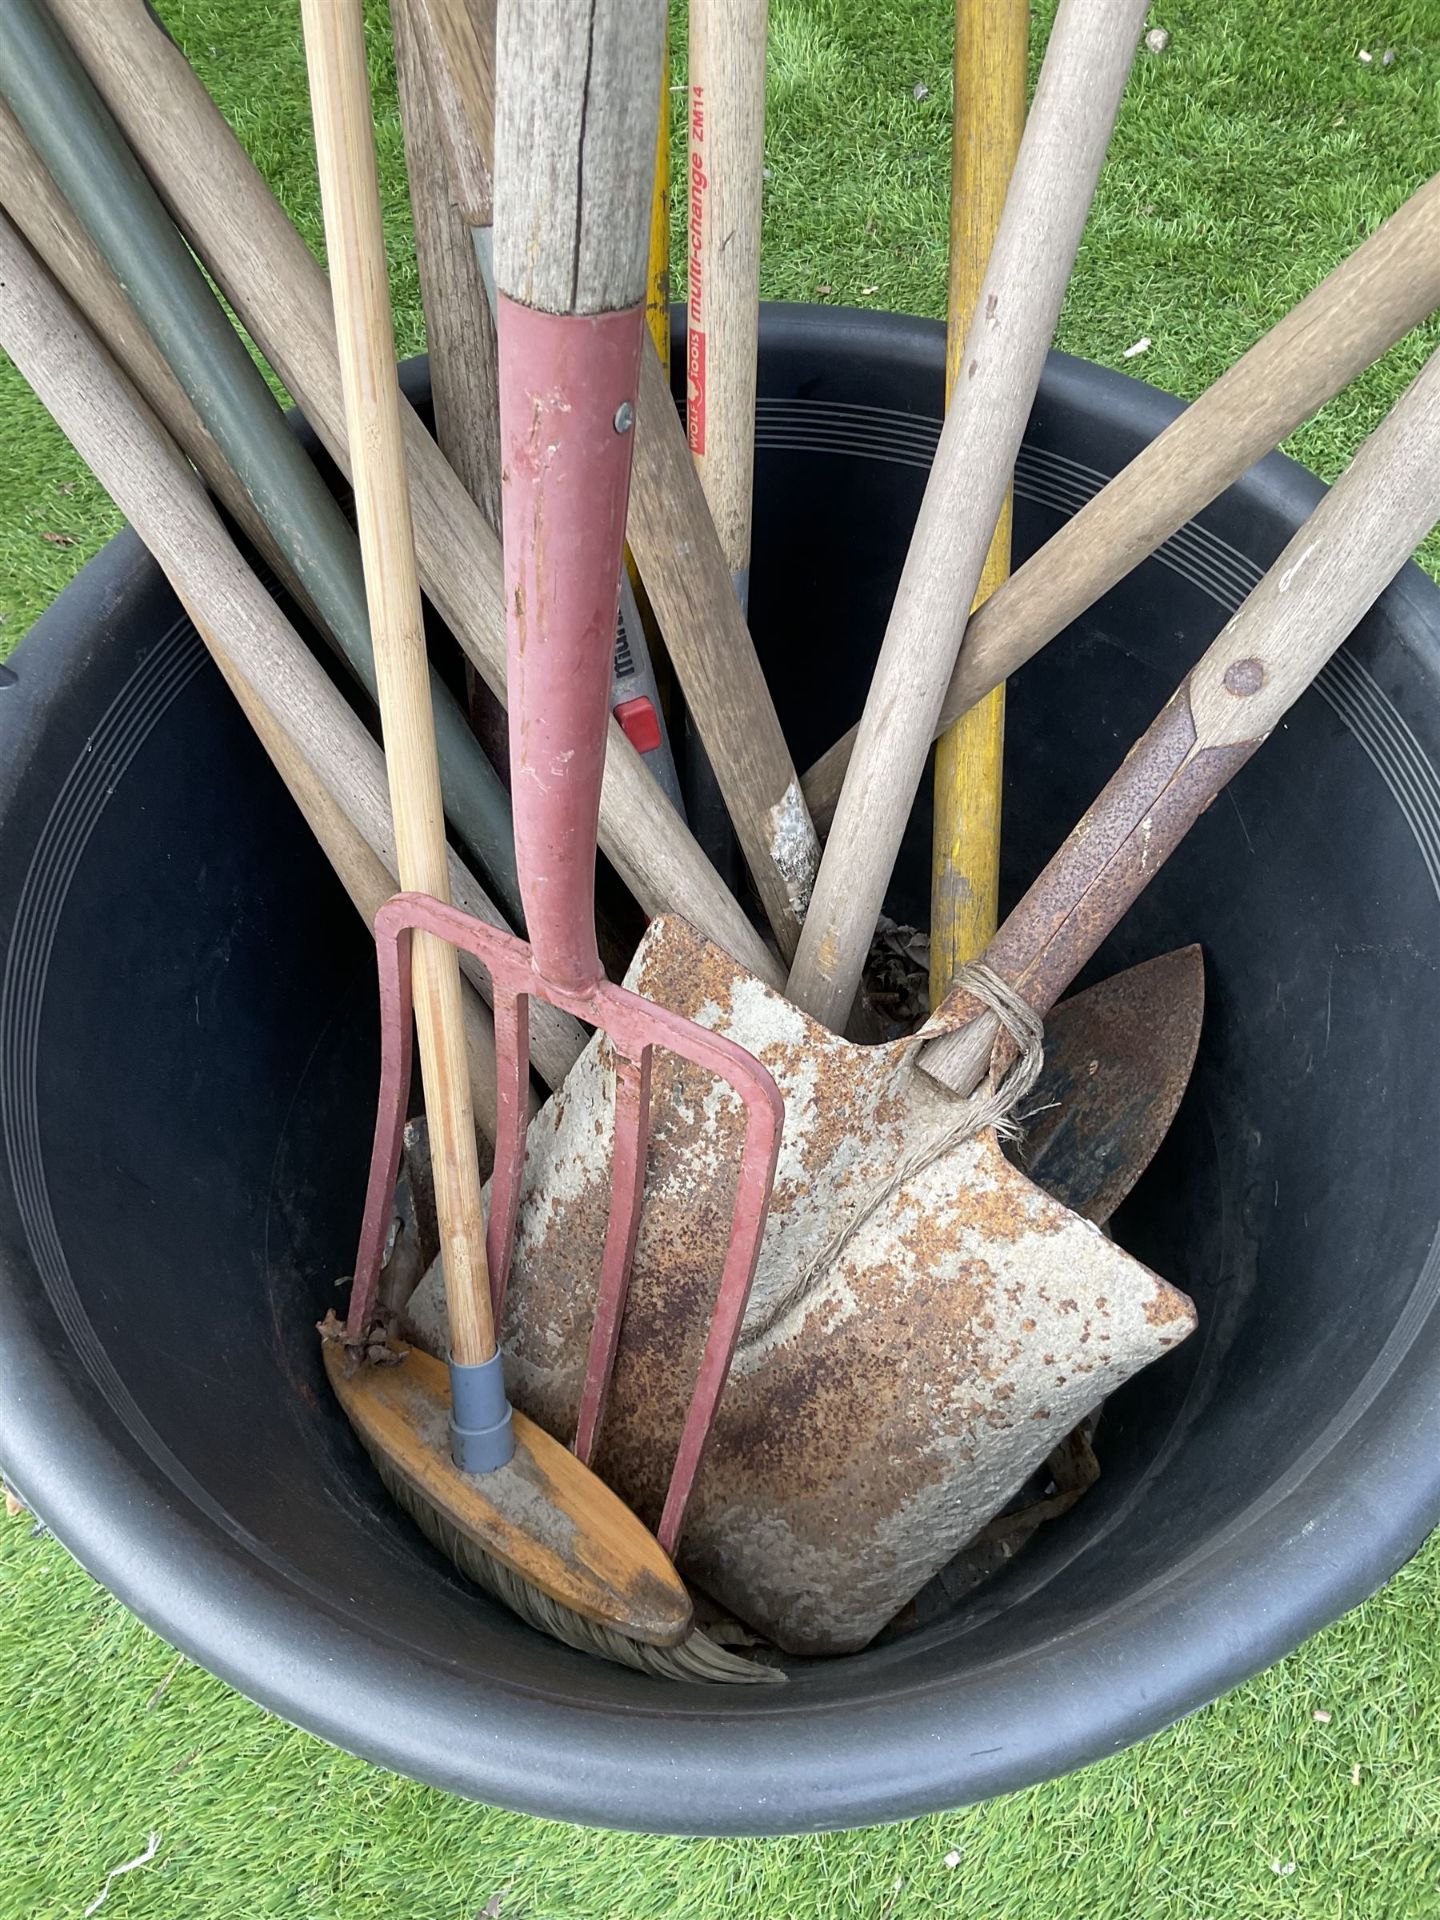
350, 194
1329, 575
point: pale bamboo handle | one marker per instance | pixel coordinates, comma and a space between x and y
1372, 299
350, 195
1060, 157
1332, 571
727, 156
575, 151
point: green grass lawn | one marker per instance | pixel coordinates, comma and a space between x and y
1250, 156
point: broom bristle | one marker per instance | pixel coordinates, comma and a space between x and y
697, 1658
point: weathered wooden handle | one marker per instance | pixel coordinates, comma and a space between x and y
1332, 571
575, 151
1374, 297
687, 577
727, 154
274, 283
1059, 162
350, 196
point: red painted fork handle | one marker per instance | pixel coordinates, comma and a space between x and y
567, 408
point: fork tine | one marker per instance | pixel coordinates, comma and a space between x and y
512, 1065
632, 1134
392, 956
764, 1117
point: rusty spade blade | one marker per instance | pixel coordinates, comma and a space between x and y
902, 1366
1118, 1059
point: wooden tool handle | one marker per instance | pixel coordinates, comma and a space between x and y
350, 194
274, 283
443, 176
1331, 572
687, 578
575, 151
992, 41
1386, 287
684, 570
1375, 296
454, 47
1065, 139
727, 157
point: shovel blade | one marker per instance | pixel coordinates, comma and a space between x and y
1118, 1059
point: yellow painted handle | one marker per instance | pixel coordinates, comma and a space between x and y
657, 319
991, 48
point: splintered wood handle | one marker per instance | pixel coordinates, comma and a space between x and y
1374, 297
1059, 162
575, 151
1330, 574
454, 46
350, 195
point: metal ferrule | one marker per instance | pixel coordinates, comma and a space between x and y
481, 1435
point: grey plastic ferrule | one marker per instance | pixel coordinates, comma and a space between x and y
481, 1436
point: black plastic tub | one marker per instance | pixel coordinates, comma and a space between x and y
187, 1023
